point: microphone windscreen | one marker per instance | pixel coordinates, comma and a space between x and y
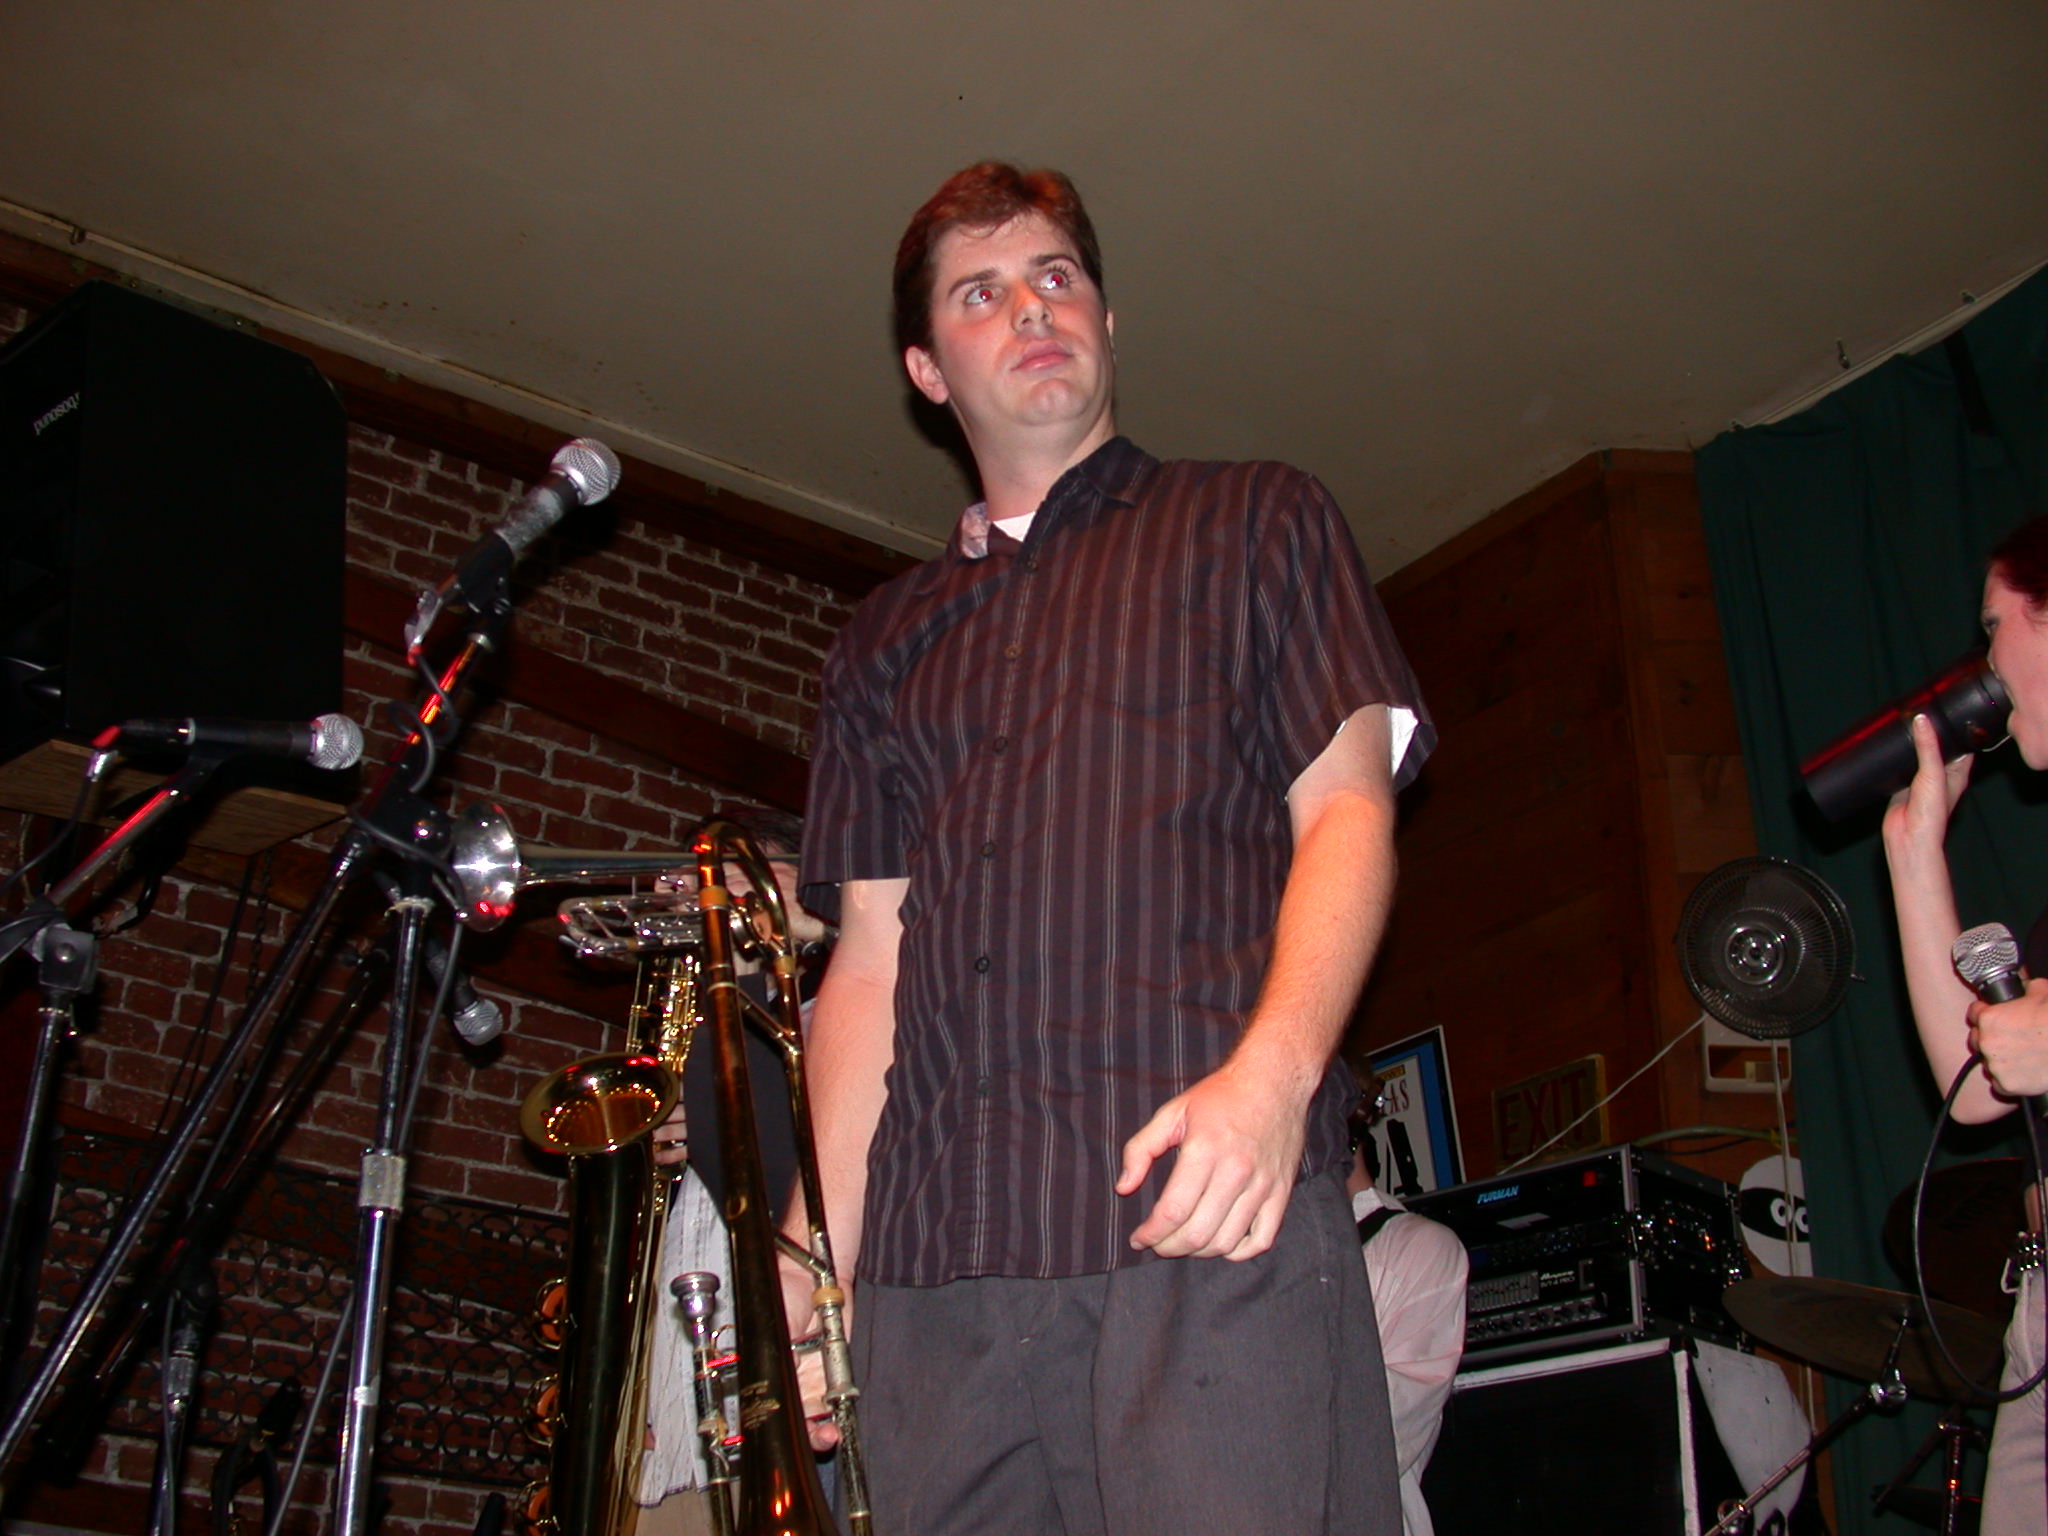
337, 742
594, 468
1985, 955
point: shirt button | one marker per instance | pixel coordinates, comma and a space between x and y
1031, 562
981, 963
988, 850
1001, 743
1013, 651
981, 1085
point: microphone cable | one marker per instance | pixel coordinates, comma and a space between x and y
1993, 1392
1614, 1093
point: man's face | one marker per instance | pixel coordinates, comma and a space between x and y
1020, 337
805, 926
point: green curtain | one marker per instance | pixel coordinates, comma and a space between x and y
1848, 549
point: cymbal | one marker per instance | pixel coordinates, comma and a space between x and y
1970, 1215
1848, 1329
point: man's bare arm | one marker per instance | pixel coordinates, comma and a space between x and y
1239, 1130
849, 1042
848, 1045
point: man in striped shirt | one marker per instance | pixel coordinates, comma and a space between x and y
1103, 798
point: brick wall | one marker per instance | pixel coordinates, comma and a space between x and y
711, 632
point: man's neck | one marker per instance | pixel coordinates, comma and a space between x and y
1016, 477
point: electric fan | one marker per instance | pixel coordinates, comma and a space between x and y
1766, 947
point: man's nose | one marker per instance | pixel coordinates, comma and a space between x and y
1031, 308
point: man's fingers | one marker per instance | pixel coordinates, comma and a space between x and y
1230, 1231
1178, 1205
1208, 1214
810, 1380
1265, 1227
1154, 1139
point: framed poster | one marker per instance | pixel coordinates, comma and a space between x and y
1417, 1138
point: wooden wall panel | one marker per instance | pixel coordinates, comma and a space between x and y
1588, 773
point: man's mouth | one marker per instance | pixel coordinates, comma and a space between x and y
1042, 355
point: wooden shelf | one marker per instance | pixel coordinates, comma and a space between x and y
45, 779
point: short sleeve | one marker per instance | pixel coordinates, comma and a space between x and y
1324, 644
853, 818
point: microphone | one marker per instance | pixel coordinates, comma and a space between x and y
330, 741
1874, 759
1988, 958
581, 474
476, 1018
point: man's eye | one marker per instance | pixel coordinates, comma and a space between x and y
981, 293
1056, 277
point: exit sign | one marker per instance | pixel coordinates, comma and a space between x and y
1527, 1114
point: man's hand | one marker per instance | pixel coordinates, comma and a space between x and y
672, 1136
1239, 1131
1239, 1136
2013, 1040
798, 1310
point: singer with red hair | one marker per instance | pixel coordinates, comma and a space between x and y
1953, 1023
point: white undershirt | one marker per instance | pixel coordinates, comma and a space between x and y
1017, 527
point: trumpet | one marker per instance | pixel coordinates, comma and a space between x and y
601, 1113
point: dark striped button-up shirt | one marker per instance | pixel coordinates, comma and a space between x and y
1078, 750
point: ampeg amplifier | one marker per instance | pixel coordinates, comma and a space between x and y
1614, 1245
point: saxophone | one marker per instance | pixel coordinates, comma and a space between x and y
600, 1113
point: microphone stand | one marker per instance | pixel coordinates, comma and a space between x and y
403, 820
66, 1436
1953, 1434
192, 1308
1888, 1391
390, 816
135, 1218
380, 1199
68, 964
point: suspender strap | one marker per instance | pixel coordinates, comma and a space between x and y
1369, 1226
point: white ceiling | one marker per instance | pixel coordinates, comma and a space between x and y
1433, 252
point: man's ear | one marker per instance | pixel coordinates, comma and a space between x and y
923, 369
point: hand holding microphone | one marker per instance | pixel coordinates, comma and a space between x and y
2009, 1022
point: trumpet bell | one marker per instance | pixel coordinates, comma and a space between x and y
491, 869
599, 1104
488, 871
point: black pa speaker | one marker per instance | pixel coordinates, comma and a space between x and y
171, 522
1579, 1445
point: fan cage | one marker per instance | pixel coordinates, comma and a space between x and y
1766, 947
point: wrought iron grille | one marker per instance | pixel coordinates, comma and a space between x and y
460, 1362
